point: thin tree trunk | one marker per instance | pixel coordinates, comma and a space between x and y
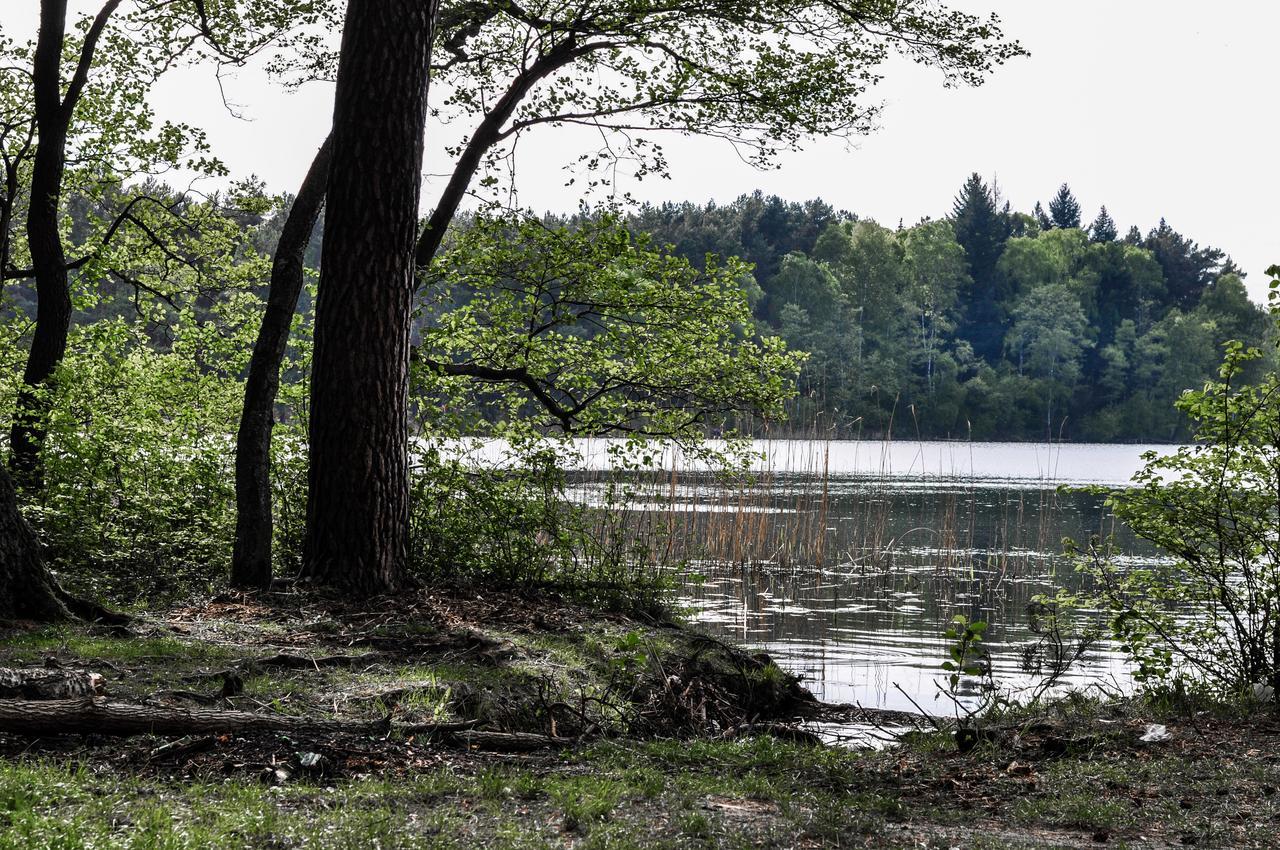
358, 490
48, 260
488, 134
251, 559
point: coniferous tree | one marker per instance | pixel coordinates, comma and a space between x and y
1133, 237
1103, 228
979, 229
1188, 268
1064, 209
357, 526
982, 231
1042, 218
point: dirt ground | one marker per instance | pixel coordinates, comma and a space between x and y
618, 733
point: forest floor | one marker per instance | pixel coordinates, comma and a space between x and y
610, 732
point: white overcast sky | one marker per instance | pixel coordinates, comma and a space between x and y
1152, 107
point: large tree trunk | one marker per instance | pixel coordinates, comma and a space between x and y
358, 491
27, 591
251, 563
251, 559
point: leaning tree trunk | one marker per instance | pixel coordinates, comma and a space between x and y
251, 558
53, 113
48, 260
358, 491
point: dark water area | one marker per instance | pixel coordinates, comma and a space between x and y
846, 561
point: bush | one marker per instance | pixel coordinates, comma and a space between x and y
508, 519
1210, 611
138, 498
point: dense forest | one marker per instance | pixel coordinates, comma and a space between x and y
988, 324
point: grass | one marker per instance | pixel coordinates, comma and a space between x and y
748, 793
68, 807
589, 797
69, 640
1213, 784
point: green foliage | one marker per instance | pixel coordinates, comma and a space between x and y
630, 340
1211, 610
138, 500
532, 335
473, 523
590, 330
1064, 209
965, 656
982, 326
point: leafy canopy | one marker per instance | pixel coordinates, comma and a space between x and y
591, 330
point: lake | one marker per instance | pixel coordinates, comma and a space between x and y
845, 561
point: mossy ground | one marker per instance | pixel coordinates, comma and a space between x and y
1074, 776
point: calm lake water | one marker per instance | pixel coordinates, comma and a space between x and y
845, 561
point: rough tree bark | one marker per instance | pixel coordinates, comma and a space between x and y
358, 492
251, 563
251, 559
27, 591
54, 112
98, 716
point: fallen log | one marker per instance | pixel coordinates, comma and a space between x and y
434, 730
99, 716
49, 683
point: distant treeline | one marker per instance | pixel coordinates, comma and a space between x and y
990, 324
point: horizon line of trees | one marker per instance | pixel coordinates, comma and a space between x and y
988, 324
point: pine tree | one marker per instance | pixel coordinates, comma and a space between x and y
978, 228
982, 231
1133, 237
1188, 268
357, 531
1064, 209
1042, 218
1103, 228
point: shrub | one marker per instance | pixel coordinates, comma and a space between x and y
1210, 611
